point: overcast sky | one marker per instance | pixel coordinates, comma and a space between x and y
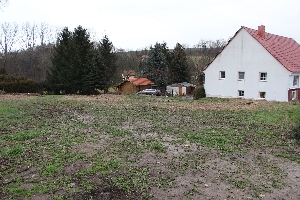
136, 24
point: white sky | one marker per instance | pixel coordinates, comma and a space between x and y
136, 24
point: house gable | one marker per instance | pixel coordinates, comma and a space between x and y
244, 55
285, 50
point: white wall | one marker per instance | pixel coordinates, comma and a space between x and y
245, 54
176, 90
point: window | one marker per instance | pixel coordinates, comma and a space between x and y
222, 74
296, 81
241, 76
263, 76
262, 95
241, 93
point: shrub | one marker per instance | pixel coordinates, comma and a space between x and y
297, 133
199, 92
12, 84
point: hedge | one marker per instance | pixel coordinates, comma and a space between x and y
12, 84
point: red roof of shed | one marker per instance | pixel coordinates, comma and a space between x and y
140, 81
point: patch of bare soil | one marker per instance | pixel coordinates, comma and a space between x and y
14, 96
78, 165
195, 172
103, 97
231, 104
107, 193
89, 149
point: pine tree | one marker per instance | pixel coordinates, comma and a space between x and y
57, 79
70, 62
179, 68
81, 49
79, 66
95, 74
108, 59
157, 65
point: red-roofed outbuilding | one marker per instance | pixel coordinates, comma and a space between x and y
255, 64
133, 85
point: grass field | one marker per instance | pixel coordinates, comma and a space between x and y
146, 147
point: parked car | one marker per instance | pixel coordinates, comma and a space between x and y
150, 92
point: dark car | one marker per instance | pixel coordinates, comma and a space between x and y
150, 92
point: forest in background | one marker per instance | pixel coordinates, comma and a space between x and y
26, 51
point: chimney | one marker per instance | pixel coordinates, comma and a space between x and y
261, 31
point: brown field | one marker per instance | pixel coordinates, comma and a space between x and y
145, 147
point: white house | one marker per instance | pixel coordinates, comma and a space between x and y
255, 64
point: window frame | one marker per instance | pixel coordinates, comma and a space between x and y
241, 93
220, 75
241, 79
262, 94
261, 77
297, 81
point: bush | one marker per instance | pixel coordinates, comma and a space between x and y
12, 84
199, 92
297, 133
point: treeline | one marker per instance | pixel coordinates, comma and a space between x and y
189, 61
27, 50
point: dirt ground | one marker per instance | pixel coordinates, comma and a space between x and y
206, 180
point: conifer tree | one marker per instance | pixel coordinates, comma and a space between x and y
157, 65
70, 62
57, 76
108, 59
179, 68
95, 74
82, 47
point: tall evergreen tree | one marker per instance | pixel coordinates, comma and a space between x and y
81, 49
95, 73
179, 68
157, 65
108, 61
70, 61
57, 78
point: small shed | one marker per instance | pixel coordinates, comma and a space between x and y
133, 85
182, 89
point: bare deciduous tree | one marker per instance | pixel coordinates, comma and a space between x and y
8, 33
43, 32
29, 35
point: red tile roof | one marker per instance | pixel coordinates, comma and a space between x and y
140, 81
285, 50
